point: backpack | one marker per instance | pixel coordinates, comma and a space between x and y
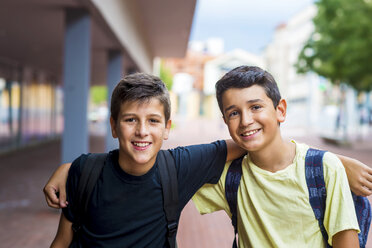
168, 177
317, 195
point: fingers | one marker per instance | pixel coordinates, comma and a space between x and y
62, 198
367, 182
369, 170
368, 175
364, 186
362, 191
51, 197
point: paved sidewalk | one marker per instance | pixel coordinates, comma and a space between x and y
26, 221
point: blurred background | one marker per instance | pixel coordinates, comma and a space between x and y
61, 59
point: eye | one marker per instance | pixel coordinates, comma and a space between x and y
233, 113
129, 120
154, 121
256, 107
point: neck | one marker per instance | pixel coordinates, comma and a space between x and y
276, 156
133, 168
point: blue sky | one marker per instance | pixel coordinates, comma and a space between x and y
245, 24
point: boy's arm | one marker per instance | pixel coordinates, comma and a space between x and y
57, 182
64, 233
233, 150
359, 175
55, 189
345, 239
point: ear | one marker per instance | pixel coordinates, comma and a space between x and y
167, 129
113, 128
281, 110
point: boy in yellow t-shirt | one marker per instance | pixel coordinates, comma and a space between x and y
273, 200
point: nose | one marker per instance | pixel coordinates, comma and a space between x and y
246, 119
142, 129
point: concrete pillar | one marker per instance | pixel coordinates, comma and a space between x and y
23, 115
76, 84
114, 74
8, 86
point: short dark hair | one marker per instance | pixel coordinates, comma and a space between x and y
247, 76
139, 87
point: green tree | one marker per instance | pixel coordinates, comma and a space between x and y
166, 76
98, 94
340, 48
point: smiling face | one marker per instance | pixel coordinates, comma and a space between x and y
141, 129
251, 117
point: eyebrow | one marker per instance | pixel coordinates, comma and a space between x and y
133, 114
248, 102
255, 100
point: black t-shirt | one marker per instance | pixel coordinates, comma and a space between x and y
126, 210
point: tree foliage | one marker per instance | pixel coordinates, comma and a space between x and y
340, 48
98, 94
166, 76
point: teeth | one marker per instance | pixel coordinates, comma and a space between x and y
250, 132
141, 144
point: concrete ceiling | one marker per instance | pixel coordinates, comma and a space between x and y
32, 33
168, 25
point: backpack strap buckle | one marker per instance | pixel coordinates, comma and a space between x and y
172, 228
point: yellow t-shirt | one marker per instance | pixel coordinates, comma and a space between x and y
274, 209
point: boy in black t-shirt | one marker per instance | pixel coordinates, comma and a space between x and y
126, 206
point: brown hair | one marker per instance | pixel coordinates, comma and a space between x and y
139, 87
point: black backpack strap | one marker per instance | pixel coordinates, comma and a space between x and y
232, 182
88, 178
316, 186
169, 182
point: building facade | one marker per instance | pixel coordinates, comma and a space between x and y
313, 102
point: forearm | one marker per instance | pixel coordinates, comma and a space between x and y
345, 239
64, 234
60, 173
57, 184
233, 150
63, 169
359, 175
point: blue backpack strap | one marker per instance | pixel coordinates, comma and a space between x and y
232, 182
363, 213
317, 196
316, 186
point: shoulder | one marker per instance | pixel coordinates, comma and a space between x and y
78, 164
330, 160
332, 164
197, 150
215, 144
222, 180
301, 150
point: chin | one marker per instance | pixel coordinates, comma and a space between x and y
251, 147
143, 160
